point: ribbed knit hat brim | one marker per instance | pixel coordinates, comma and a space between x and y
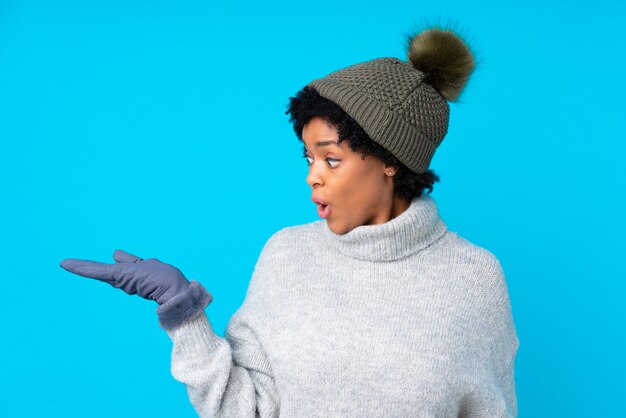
390, 101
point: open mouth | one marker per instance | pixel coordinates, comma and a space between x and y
323, 210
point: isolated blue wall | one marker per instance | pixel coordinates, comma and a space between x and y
158, 127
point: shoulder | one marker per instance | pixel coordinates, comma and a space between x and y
475, 268
295, 238
482, 277
281, 256
292, 235
465, 254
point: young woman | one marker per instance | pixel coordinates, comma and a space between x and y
377, 310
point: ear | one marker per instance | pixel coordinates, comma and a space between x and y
389, 170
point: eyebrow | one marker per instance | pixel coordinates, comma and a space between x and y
323, 143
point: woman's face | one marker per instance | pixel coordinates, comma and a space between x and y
357, 191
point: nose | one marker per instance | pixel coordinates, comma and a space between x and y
315, 175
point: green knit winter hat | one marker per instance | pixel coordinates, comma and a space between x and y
403, 105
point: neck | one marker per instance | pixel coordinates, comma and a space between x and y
398, 206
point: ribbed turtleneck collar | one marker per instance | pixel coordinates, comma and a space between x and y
414, 229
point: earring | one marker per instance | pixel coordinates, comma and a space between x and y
389, 172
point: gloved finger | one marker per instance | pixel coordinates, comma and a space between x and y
121, 256
92, 269
151, 260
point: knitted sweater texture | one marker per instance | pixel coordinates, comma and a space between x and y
400, 319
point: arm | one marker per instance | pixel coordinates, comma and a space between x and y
228, 377
493, 397
505, 350
492, 392
224, 378
507, 385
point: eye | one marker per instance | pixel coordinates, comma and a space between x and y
309, 158
332, 159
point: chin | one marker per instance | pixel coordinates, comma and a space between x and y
338, 229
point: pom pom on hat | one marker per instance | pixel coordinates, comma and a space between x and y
445, 59
403, 106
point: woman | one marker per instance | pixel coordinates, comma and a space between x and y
375, 311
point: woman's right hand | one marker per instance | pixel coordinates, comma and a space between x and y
149, 278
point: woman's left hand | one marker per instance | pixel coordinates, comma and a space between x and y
149, 278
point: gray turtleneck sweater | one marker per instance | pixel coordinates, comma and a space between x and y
401, 319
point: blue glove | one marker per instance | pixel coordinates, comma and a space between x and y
149, 278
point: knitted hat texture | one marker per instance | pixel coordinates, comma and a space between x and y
403, 105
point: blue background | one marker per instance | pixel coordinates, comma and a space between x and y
158, 127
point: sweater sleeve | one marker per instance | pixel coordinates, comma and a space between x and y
494, 396
225, 377
493, 392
